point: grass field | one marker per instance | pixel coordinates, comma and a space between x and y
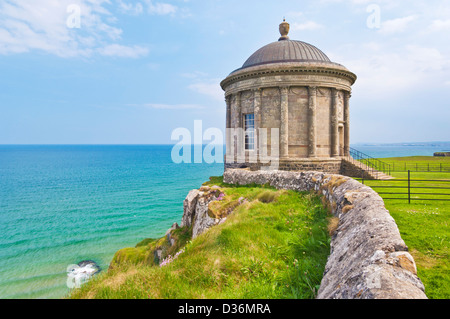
418, 163
274, 245
423, 224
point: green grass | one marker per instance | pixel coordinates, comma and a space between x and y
424, 225
418, 163
274, 245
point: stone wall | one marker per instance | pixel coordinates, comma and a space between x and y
368, 258
331, 166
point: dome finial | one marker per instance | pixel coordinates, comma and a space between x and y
284, 30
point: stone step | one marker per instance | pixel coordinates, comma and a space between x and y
378, 175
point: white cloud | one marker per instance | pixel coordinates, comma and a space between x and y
122, 51
43, 25
384, 72
160, 8
130, 8
209, 88
152, 7
440, 25
397, 25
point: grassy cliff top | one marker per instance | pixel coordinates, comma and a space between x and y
274, 244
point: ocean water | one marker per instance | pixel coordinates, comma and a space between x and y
60, 205
402, 149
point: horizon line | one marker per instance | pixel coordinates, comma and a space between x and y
173, 144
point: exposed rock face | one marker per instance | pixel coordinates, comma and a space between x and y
170, 239
202, 221
196, 210
368, 258
189, 205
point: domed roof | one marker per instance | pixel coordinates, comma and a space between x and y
288, 55
286, 50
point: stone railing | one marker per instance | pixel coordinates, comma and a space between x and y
368, 258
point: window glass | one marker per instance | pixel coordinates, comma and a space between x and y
249, 127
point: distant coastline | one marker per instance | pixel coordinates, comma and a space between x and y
383, 150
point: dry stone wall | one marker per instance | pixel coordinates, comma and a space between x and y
368, 258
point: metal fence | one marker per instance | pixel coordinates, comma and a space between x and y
419, 167
414, 189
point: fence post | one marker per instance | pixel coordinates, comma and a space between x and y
409, 187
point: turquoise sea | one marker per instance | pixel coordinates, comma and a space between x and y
60, 205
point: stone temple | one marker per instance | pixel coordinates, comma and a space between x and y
294, 87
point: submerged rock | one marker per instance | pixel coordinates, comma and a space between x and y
81, 273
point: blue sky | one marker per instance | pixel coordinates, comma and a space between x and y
136, 70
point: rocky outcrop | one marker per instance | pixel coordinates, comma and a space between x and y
196, 210
189, 205
201, 220
368, 258
442, 154
169, 237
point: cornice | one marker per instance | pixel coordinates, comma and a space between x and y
277, 69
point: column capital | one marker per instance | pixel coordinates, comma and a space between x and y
312, 89
335, 92
347, 94
284, 89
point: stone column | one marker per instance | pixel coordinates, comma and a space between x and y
257, 112
284, 129
228, 138
312, 139
239, 137
238, 110
347, 96
228, 118
334, 124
